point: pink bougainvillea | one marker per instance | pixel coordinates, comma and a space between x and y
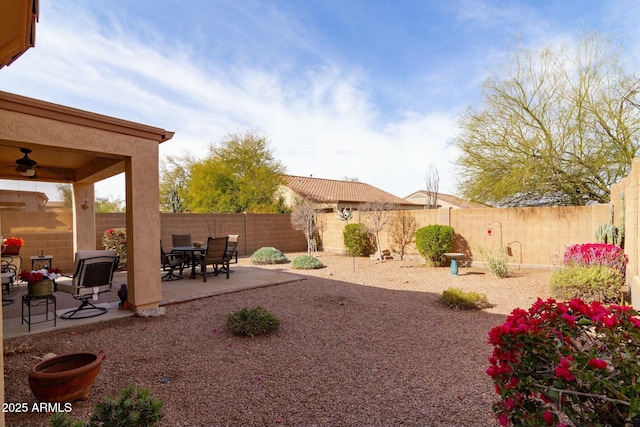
572, 361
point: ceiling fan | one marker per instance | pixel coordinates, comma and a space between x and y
26, 165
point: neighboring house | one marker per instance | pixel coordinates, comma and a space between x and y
26, 201
444, 200
332, 194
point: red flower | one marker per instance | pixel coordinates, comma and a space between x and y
597, 363
562, 370
13, 241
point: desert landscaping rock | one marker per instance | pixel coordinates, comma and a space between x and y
370, 347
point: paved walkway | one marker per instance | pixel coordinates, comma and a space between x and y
177, 291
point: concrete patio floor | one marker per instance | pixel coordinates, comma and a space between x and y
241, 278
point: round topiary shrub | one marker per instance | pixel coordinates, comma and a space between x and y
433, 241
268, 255
357, 240
306, 262
257, 321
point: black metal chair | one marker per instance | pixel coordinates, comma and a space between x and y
93, 275
215, 255
9, 272
232, 247
171, 263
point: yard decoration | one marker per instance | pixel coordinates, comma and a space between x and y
567, 361
12, 245
39, 282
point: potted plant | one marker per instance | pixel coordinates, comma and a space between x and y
12, 245
39, 282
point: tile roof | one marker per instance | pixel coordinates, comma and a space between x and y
333, 191
453, 200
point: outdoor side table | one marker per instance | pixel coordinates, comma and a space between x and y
41, 261
454, 264
32, 300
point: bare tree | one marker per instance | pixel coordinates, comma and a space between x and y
376, 215
432, 183
403, 228
303, 218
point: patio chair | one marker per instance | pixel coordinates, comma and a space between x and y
171, 263
181, 240
93, 275
232, 247
9, 272
216, 255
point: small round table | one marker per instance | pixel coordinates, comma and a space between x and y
453, 256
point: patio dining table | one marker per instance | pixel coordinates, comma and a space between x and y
191, 251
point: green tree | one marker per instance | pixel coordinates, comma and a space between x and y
109, 205
557, 127
175, 172
239, 175
65, 192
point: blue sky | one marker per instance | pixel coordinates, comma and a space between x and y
358, 88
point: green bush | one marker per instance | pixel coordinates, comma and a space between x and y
357, 240
252, 322
496, 262
115, 239
457, 298
433, 241
306, 262
596, 283
132, 407
268, 255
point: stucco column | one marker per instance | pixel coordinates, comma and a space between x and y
84, 218
1, 359
143, 231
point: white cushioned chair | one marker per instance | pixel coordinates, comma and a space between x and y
93, 275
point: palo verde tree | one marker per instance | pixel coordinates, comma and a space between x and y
240, 174
557, 127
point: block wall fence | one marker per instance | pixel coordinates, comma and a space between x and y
52, 233
533, 236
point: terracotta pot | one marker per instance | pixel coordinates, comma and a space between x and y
65, 378
11, 250
39, 289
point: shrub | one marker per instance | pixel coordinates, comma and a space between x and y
496, 263
306, 262
268, 255
115, 239
433, 241
595, 254
597, 283
457, 298
357, 240
252, 322
567, 361
132, 407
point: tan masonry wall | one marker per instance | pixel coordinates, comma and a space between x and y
52, 232
533, 236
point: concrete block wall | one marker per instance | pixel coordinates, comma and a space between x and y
533, 236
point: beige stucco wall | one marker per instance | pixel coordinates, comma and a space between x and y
533, 236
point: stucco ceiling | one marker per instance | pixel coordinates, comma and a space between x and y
17, 28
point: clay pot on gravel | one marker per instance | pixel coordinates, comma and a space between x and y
65, 378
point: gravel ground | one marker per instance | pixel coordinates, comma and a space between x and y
361, 343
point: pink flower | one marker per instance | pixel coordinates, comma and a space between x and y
562, 370
503, 419
597, 363
547, 416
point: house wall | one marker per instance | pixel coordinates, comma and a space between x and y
533, 236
